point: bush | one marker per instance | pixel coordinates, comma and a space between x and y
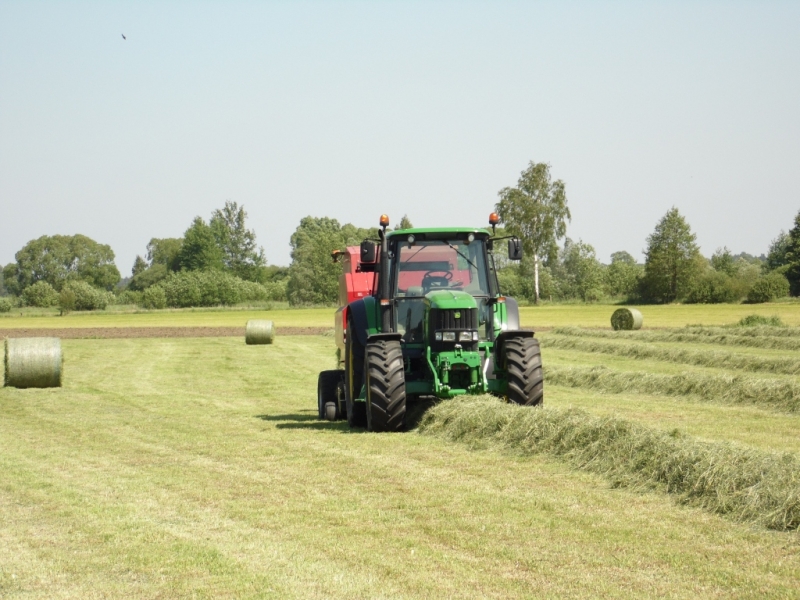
213, 288
276, 290
713, 287
41, 295
6, 304
88, 297
153, 297
510, 283
769, 287
67, 300
250, 291
150, 276
757, 320
129, 297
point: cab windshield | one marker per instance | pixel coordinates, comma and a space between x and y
433, 265
436, 265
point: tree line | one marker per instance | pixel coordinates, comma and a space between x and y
674, 270
220, 263
214, 263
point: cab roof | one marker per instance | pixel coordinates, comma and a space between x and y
440, 233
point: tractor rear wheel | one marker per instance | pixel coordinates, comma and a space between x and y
524, 367
326, 390
386, 386
354, 378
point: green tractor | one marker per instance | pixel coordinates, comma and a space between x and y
421, 315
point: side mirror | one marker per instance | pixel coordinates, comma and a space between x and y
368, 252
514, 249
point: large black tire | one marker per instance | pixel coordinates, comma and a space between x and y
523, 359
326, 390
385, 385
354, 378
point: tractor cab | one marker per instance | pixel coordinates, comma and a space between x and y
437, 267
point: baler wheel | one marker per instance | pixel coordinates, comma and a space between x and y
330, 411
386, 386
326, 390
354, 378
524, 366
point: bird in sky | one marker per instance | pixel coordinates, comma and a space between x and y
123, 37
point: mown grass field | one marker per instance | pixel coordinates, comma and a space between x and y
196, 468
544, 316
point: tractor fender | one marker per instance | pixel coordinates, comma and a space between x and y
357, 313
512, 314
389, 337
500, 342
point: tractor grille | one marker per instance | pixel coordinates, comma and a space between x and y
446, 320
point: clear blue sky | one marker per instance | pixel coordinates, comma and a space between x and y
351, 109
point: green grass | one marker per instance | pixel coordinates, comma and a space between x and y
753, 332
743, 483
678, 353
207, 317
543, 316
716, 336
779, 394
655, 316
194, 468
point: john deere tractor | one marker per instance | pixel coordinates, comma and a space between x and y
421, 315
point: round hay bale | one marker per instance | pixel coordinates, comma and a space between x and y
259, 332
33, 362
626, 319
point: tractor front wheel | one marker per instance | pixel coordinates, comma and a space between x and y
524, 367
385, 385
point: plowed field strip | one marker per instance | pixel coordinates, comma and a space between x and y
150, 332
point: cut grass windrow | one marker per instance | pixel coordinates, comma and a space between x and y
777, 394
704, 358
720, 337
760, 331
743, 484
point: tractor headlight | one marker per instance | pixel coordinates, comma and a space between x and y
464, 336
474, 336
438, 336
449, 336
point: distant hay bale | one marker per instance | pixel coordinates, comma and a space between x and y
259, 332
627, 319
33, 362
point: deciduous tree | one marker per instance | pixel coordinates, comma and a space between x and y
536, 211
776, 257
622, 275
165, 251
313, 276
200, 250
139, 266
723, 262
59, 258
578, 274
240, 253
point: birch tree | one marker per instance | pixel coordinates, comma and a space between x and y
535, 211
